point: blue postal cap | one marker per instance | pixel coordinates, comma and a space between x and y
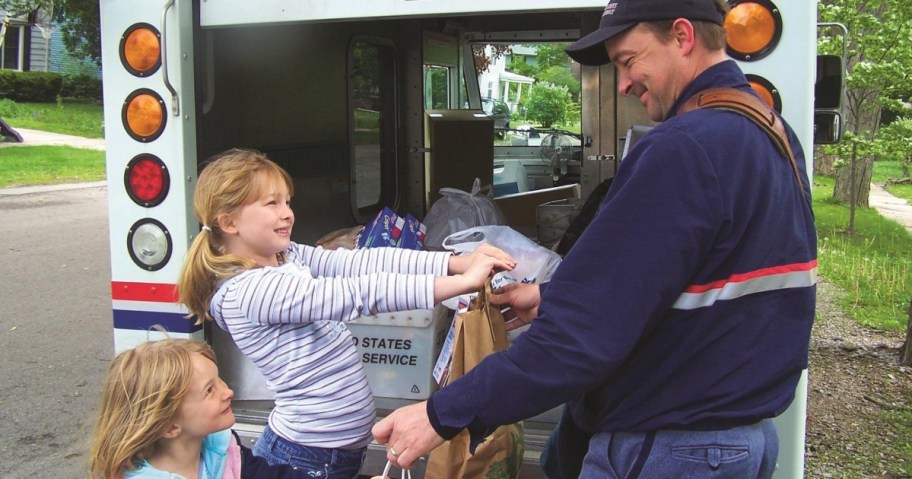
621, 15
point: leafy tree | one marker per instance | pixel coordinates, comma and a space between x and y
79, 18
893, 143
560, 75
17, 8
552, 65
481, 58
82, 29
879, 66
548, 104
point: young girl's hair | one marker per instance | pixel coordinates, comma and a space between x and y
142, 394
230, 180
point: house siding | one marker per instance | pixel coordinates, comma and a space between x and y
37, 50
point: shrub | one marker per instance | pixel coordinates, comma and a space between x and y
81, 87
30, 86
547, 104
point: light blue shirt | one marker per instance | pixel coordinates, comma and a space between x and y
212, 462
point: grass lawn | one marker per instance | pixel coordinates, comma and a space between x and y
873, 266
66, 117
884, 171
42, 165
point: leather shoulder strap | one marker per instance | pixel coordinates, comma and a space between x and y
754, 109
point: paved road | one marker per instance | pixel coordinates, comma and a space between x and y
55, 327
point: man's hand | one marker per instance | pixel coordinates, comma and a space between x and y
408, 434
523, 301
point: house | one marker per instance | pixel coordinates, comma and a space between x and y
31, 43
498, 83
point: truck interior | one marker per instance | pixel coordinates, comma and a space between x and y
385, 112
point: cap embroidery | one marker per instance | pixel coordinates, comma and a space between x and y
609, 9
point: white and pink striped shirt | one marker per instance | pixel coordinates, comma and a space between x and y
289, 321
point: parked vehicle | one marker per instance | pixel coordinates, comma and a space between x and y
498, 111
335, 92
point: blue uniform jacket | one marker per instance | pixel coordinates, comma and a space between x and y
686, 304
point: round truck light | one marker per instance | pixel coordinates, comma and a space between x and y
146, 180
753, 28
149, 244
144, 115
767, 91
140, 49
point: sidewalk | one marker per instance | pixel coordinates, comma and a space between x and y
891, 207
36, 138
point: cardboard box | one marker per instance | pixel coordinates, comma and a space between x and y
384, 230
519, 209
413, 234
398, 350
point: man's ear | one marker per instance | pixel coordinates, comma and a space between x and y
226, 223
684, 36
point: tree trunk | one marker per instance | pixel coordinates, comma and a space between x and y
823, 163
842, 191
905, 356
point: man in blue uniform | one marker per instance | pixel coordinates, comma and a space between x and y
679, 322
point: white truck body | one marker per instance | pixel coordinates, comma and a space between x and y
275, 75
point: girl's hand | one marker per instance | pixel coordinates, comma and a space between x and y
482, 267
473, 279
460, 264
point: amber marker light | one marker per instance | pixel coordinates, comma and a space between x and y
140, 49
767, 91
753, 28
143, 115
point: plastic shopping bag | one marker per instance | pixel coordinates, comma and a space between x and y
479, 332
457, 210
406, 474
534, 263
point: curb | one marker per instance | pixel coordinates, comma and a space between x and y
29, 190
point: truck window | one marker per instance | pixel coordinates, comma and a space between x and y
532, 92
372, 94
528, 84
436, 87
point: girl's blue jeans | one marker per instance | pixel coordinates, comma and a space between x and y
316, 462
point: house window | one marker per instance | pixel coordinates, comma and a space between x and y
11, 54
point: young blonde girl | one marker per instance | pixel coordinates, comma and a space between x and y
166, 414
284, 305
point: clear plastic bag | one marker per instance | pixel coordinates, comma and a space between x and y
457, 210
534, 263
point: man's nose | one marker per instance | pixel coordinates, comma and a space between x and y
624, 85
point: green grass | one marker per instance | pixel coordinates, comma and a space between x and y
873, 266
884, 171
42, 165
66, 117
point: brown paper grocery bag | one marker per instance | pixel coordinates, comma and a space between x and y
479, 332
